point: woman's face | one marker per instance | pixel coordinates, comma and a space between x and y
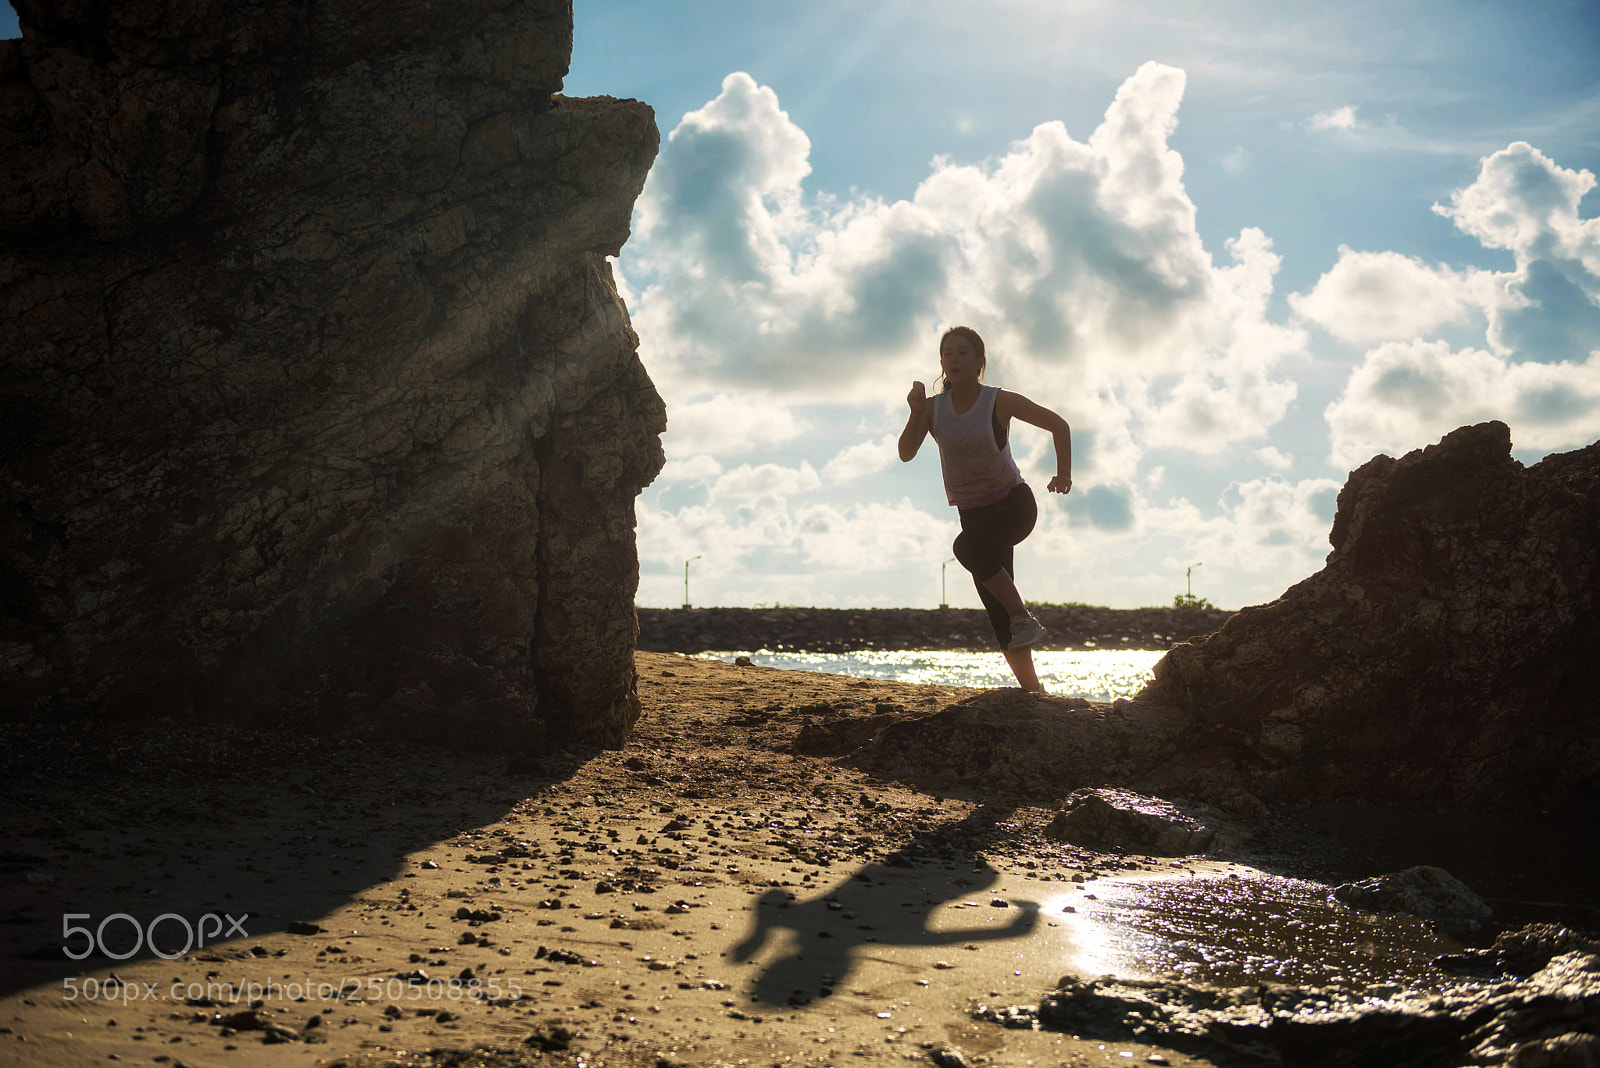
959, 360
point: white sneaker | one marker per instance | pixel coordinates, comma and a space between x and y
1025, 631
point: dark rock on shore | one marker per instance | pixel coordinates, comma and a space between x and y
1445, 652
1551, 1019
318, 403
1523, 951
1109, 819
1423, 890
840, 630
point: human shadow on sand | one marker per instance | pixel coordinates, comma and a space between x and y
880, 905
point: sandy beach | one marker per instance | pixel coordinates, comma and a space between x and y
700, 896
725, 889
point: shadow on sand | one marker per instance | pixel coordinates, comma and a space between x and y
109, 828
819, 941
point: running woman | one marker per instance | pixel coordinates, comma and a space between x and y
971, 423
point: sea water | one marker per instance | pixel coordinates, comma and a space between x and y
1095, 674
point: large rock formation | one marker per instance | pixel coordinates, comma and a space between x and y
1444, 654
318, 401
1446, 651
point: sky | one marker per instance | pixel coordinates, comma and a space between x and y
1241, 247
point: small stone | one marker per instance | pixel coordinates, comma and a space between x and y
276, 1033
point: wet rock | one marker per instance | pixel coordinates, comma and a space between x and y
1424, 890
1107, 819
1575, 1049
1443, 653
1555, 1012
1523, 951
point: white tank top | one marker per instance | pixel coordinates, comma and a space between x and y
976, 471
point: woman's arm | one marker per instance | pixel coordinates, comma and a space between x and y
916, 428
1011, 405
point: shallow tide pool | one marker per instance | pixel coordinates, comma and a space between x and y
1236, 930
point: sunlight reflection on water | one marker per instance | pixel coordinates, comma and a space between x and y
1099, 674
1238, 930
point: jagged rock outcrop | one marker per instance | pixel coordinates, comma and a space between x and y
1444, 653
318, 402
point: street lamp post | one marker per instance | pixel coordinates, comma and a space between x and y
686, 578
943, 600
1187, 581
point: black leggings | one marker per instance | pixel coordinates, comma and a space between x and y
984, 546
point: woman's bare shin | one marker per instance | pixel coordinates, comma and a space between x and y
1021, 662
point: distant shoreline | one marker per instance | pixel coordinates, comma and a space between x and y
842, 630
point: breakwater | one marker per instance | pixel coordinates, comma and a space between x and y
841, 630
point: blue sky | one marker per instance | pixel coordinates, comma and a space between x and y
1241, 246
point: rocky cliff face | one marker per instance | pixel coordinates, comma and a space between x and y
318, 402
1444, 653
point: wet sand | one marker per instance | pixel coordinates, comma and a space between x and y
700, 896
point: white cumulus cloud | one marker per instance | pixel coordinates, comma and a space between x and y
1078, 260
747, 482
861, 459
1538, 364
724, 423
1382, 296
1549, 307
1408, 394
779, 551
